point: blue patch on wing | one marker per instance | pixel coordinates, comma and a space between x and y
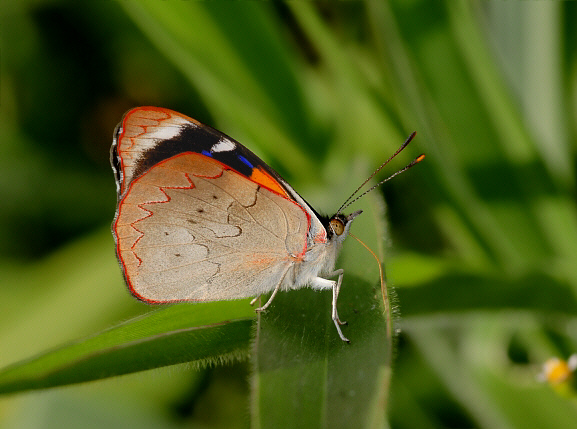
245, 161
204, 152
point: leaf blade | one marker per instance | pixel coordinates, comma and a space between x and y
210, 332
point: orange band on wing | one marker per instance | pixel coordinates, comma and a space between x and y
263, 178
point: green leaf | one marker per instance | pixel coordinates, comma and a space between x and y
201, 333
302, 368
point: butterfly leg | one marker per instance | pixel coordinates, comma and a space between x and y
321, 283
335, 314
274, 292
255, 299
336, 291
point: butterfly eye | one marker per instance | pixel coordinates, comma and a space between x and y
337, 226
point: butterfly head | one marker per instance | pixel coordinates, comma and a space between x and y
339, 225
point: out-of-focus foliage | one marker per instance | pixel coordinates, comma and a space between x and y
482, 236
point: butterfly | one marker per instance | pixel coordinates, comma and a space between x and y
202, 218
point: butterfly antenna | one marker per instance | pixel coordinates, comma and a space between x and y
348, 202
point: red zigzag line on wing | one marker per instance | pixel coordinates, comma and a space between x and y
162, 189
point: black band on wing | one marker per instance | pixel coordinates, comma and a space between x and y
190, 139
114, 158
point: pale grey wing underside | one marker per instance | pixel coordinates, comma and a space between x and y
191, 229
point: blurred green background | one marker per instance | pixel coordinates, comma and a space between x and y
482, 246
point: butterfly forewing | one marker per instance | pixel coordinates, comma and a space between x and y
149, 135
